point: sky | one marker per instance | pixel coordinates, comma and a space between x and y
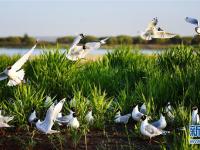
94, 17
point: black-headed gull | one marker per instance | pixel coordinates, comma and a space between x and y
74, 123
169, 111
67, 118
122, 119
161, 123
194, 22
32, 118
46, 125
89, 117
149, 130
75, 51
4, 120
14, 72
136, 115
153, 32
195, 116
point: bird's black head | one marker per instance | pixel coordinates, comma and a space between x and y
84, 47
82, 36
9, 67
73, 109
90, 108
74, 115
163, 113
194, 108
32, 109
143, 117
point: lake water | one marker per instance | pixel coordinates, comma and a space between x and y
14, 51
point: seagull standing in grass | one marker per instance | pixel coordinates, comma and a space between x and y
149, 130
136, 115
14, 72
122, 119
89, 117
153, 32
161, 123
67, 118
74, 123
194, 22
169, 111
46, 125
4, 120
195, 116
32, 118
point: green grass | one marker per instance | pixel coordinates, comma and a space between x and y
118, 80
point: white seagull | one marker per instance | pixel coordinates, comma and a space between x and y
46, 125
143, 109
194, 22
32, 118
195, 116
149, 130
89, 117
75, 51
161, 123
153, 32
67, 118
169, 111
14, 72
122, 119
4, 120
74, 123
136, 115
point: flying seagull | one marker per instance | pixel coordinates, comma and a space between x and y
14, 72
75, 51
149, 130
46, 125
136, 115
161, 123
153, 32
195, 116
194, 22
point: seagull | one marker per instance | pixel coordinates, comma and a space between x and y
4, 121
161, 123
153, 32
67, 118
32, 118
14, 72
136, 115
46, 125
143, 109
195, 116
149, 130
93, 45
195, 22
169, 111
89, 117
74, 123
122, 119
75, 51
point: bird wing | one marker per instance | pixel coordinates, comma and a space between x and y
75, 42
192, 21
3, 76
163, 35
23, 59
152, 130
146, 35
156, 124
103, 41
58, 108
92, 45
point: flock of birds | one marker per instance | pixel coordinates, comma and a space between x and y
16, 76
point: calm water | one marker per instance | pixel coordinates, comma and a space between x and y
14, 51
